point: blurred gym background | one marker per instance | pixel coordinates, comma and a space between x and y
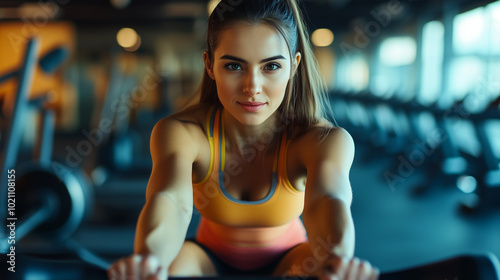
416, 83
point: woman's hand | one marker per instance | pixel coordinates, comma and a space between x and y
137, 267
338, 268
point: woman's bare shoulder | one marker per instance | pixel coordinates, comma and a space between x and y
323, 132
315, 132
195, 114
192, 118
325, 142
181, 128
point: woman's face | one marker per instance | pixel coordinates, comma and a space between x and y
251, 67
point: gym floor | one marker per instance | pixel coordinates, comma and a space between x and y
395, 228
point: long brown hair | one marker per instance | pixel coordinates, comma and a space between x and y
305, 97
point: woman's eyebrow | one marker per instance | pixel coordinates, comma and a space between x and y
244, 61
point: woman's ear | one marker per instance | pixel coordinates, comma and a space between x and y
296, 61
208, 65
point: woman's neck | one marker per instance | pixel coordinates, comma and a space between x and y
250, 141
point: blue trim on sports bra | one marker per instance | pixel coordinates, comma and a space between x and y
235, 200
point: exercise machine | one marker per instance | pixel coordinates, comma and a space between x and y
44, 197
477, 267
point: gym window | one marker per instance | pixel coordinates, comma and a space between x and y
432, 62
475, 64
394, 67
352, 73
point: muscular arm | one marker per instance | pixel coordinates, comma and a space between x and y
327, 215
165, 217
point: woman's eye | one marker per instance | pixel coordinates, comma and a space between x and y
272, 67
232, 66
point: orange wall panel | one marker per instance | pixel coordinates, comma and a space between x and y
13, 39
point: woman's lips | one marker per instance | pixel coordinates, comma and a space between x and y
251, 106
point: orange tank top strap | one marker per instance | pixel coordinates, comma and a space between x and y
211, 126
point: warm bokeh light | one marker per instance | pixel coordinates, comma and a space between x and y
322, 37
127, 37
136, 45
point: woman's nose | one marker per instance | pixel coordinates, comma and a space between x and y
253, 84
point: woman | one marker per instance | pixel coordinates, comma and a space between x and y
252, 156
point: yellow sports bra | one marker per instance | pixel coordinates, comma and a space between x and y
282, 205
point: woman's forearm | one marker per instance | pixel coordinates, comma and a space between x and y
329, 227
162, 227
